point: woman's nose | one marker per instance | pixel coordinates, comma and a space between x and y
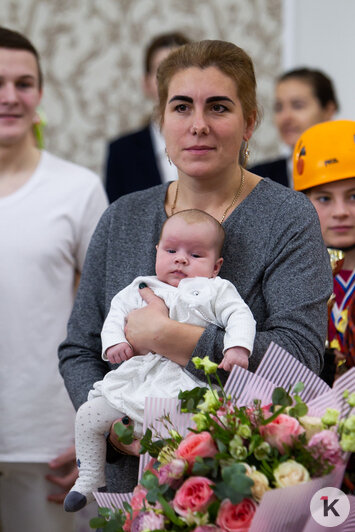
199, 125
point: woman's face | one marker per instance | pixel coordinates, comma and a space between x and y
19, 95
203, 122
335, 205
297, 109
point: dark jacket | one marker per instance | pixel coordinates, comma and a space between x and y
275, 170
131, 164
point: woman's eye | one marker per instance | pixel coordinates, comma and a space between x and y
298, 105
181, 108
219, 108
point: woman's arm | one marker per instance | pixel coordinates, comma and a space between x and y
150, 329
80, 360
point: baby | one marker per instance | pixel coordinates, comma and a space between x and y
187, 265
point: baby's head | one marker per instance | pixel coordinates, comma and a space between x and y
190, 245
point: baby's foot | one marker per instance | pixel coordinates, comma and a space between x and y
74, 501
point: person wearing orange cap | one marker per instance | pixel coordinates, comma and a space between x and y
324, 168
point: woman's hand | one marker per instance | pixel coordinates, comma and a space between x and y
144, 326
66, 474
150, 329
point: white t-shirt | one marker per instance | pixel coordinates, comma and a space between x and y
45, 228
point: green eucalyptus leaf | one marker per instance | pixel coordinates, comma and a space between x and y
124, 432
298, 388
97, 522
190, 398
281, 397
235, 484
299, 410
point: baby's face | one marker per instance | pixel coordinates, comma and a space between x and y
186, 250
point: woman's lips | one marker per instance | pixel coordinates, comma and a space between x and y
199, 149
342, 228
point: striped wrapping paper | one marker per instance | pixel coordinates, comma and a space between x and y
280, 509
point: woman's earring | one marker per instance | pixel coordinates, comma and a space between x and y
245, 153
169, 160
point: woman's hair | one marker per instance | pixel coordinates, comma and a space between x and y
196, 216
226, 56
16, 41
321, 84
166, 40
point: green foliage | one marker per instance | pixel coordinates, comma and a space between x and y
235, 485
110, 520
190, 399
124, 432
149, 446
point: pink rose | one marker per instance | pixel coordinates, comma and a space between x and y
172, 473
236, 517
282, 430
193, 496
139, 494
148, 521
137, 503
325, 444
193, 445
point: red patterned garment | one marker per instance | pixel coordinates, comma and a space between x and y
349, 339
344, 289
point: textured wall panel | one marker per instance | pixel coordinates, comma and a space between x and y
92, 60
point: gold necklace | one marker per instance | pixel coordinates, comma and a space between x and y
233, 202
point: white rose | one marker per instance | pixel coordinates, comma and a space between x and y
290, 473
312, 425
261, 485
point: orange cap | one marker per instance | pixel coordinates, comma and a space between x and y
324, 153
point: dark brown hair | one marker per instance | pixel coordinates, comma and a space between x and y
166, 40
16, 41
226, 56
320, 83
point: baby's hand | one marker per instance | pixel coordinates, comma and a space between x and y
119, 352
235, 356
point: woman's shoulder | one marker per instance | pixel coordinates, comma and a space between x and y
278, 196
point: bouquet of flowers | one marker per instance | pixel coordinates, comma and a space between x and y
229, 469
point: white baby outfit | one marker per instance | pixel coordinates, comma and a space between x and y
197, 301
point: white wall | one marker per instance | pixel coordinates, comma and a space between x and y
321, 34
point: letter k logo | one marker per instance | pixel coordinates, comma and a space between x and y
329, 507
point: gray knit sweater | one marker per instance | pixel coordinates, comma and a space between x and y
274, 255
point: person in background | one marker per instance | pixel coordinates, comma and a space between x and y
274, 253
48, 211
303, 97
138, 160
324, 169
